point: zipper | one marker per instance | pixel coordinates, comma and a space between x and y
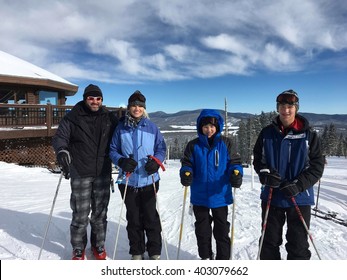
216, 158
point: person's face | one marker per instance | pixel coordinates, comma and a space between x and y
209, 130
287, 113
136, 111
94, 103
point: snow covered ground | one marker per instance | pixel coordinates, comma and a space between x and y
27, 195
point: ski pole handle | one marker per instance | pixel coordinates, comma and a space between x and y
187, 173
157, 161
236, 172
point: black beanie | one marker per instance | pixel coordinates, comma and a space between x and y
92, 90
137, 98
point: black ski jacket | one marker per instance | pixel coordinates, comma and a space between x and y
86, 135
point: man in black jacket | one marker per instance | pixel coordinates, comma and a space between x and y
82, 146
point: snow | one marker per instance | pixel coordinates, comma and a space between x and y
27, 195
14, 66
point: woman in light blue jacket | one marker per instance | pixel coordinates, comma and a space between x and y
138, 148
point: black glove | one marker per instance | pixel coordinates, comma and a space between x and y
235, 179
127, 164
186, 178
290, 188
64, 160
151, 166
270, 177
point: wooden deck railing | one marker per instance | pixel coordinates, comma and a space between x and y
27, 120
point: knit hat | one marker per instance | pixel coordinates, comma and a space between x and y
137, 99
92, 90
288, 97
209, 120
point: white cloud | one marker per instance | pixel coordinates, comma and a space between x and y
168, 40
177, 52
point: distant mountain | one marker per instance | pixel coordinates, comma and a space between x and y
165, 121
183, 118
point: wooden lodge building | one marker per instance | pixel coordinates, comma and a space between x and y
32, 103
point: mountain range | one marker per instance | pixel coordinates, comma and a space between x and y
168, 121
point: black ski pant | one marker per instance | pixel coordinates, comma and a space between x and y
297, 245
143, 220
203, 231
89, 194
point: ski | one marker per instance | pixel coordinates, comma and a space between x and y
330, 215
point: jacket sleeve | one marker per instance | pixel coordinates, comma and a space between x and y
187, 162
61, 139
114, 121
159, 146
115, 147
258, 160
234, 162
309, 176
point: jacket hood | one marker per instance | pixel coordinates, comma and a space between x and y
210, 113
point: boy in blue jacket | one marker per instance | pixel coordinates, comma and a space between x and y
208, 167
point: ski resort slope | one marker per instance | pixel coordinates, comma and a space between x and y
27, 195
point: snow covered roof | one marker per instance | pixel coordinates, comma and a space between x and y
14, 70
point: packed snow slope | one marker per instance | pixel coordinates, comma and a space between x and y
27, 195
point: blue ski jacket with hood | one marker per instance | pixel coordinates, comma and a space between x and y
211, 165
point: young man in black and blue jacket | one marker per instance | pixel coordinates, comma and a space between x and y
289, 161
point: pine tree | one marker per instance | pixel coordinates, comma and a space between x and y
332, 140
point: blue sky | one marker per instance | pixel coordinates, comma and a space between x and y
186, 55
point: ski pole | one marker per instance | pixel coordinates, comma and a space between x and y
150, 157
265, 222
121, 211
236, 172
305, 225
316, 208
162, 230
51, 213
182, 220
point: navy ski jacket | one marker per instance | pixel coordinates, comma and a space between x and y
296, 156
211, 166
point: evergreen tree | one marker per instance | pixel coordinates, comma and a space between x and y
332, 140
340, 148
263, 119
242, 138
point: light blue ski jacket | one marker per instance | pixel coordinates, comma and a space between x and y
140, 141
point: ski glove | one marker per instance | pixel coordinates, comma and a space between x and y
64, 160
290, 188
270, 177
186, 178
151, 166
235, 179
127, 164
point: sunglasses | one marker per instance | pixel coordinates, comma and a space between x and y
91, 98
